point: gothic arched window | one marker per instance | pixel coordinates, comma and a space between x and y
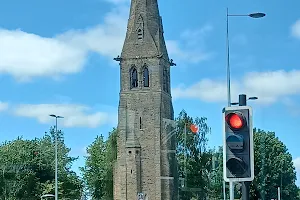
133, 78
146, 77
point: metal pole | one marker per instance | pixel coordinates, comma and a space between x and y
56, 185
228, 66
231, 187
185, 152
246, 190
246, 184
281, 181
224, 190
242, 100
263, 166
3, 171
279, 193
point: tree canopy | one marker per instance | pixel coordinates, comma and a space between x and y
28, 168
193, 156
273, 168
98, 169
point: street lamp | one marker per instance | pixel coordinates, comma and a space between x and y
250, 98
56, 181
252, 15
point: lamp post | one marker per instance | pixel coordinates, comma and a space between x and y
252, 15
56, 180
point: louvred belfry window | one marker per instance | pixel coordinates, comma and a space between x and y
134, 78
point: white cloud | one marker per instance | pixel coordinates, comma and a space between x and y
26, 55
190, 47
3, 106
267, 86
206, 90
194, 37
74, 115
295, 30
183, 54
106, 39
297, 164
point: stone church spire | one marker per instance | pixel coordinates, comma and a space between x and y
146, 163
144, 31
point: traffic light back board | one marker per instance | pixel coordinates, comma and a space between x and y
238, 152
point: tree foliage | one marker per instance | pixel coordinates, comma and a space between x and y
98, 170
28, 168
193, 156
273, 168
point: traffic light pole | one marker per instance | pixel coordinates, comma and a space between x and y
242, 100
245, 184
246, 190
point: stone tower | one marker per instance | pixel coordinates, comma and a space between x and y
146, 158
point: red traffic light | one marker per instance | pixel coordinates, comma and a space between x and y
235, 120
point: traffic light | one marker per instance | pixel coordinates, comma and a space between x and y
238, 153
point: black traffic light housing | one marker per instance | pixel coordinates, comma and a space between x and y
238, 152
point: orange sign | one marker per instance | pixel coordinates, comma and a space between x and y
194, 128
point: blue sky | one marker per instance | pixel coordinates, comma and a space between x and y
56, 57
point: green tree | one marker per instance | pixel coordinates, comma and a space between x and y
194, 157
95, 168
27, 168
216, 181
216, 177
98, 170
111, 153
273, 168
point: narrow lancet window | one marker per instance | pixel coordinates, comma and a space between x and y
165, 80
140, 34
146, 77
134, 78
140, 28
140, 123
